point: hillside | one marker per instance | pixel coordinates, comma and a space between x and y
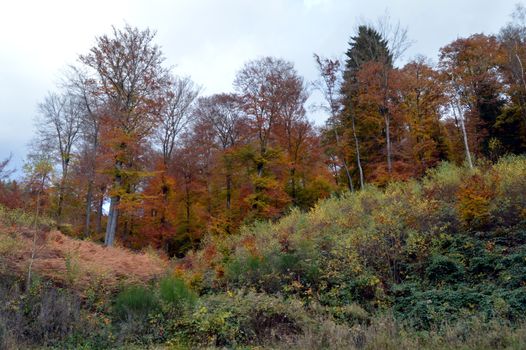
437, 263
70, 262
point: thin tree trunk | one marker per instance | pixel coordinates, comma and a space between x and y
113, 214
187, 204
35, 232
346, 168
357, 146
61, 194
388, 140
522, 80
89, 201
228, 190
293, 184
98, 226
464, 134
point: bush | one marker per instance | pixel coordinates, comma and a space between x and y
135, 302
351, 315
444, 269
176, 293
243, 318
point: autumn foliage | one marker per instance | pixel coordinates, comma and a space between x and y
135, 154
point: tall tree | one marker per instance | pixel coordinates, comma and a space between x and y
366, 47
469, 67
58, 127
175, 109
221, 113
372, 54
261, 85
127, 68
512, 39
421, 100
85, 89
331, 87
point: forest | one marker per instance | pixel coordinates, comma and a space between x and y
149, 215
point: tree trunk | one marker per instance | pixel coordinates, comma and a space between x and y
388, 141
228, 190
60, 202
89, 201
464, 136
111, 226
293, 184
357, 146
346, 168
61, 193
523, 81
466, 144
187, 202
98, 220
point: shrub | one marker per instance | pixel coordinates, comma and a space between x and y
176, 293
474, 198
135, 301
351, 315
244, 318
444, 269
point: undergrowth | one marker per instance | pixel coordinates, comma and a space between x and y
433, 264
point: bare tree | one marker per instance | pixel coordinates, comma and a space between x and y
221, 113
78, 83
330, 86
58, 126
174, 113
260, 84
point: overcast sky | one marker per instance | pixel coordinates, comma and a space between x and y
208, 40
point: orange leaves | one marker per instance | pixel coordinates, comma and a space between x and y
474, 198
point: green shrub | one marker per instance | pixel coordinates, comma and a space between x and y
242, 319
351, 315
175, 292
135, 301
444, 269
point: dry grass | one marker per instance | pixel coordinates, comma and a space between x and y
74, 263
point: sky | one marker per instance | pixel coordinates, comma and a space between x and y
208, 40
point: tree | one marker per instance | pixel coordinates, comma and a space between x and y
78, 82
4, 171
175, 107
366, 46
513, 40
222, 115
469, 68
58, 128
174, 112
422, 98
38, 175
331, 87
375, 50
260, 85
293, 130
511, 124
128, 73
